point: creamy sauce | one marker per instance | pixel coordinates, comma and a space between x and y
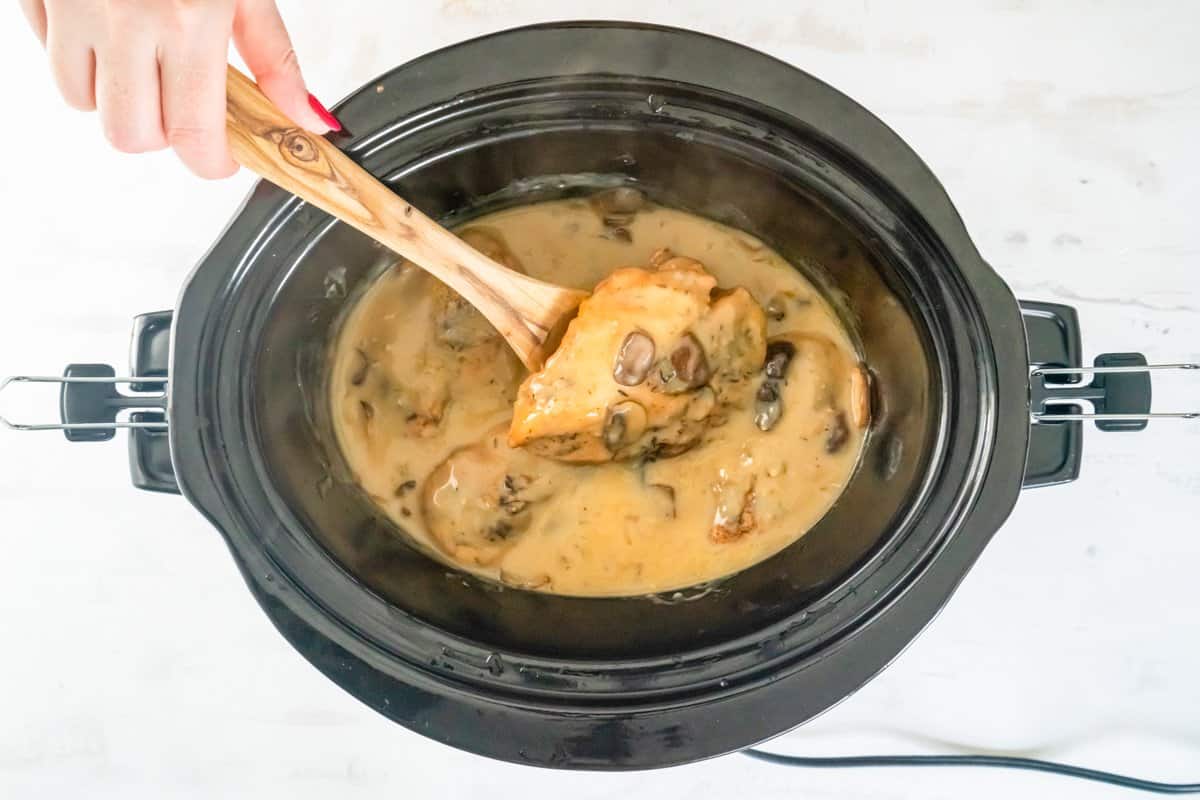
422, 394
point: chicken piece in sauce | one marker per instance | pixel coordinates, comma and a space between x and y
479, 500
654, 357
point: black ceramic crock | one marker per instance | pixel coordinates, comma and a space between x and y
697, 123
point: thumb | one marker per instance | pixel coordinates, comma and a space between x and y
35, 12
262, 40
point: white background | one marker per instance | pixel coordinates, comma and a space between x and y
134, 663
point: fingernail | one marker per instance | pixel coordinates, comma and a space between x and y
323, 113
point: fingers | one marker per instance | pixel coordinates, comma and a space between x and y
35, 12
156, 70
72, 58
127, 94
263, 41
193, 97
127, 86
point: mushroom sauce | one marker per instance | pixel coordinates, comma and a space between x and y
422, 393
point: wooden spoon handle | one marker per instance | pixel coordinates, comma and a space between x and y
524, 310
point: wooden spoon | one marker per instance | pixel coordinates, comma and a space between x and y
528, 313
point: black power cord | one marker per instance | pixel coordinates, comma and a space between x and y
1010, 762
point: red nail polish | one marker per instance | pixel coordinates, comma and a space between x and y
323, 113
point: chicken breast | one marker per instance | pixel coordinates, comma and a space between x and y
477, 502
653, 358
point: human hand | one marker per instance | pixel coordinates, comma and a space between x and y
156, 70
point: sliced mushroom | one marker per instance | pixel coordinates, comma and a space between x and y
686, 368
689, 362
779, 355
511, 495
634, 359
361, 367
416, 408
768, 407
776, 307
837, 434
617, 207
657, 449
626, 422
618, 234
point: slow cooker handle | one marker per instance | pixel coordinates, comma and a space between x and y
1119, 394
90, 403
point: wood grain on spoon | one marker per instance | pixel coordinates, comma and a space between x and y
528, 313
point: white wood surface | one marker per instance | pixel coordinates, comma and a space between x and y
135, 664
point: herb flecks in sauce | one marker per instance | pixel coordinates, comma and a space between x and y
441, 385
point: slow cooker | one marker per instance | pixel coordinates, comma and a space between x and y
976, 396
